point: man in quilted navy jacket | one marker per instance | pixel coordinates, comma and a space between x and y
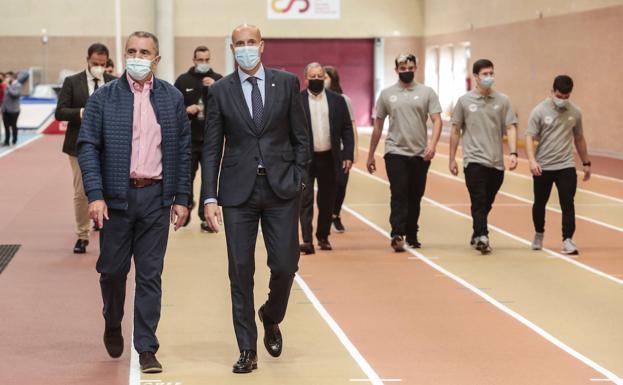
134, 153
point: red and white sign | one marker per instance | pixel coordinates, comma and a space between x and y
303, 9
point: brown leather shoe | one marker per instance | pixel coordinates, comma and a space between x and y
113, 340
307, 248
324, 244
149, 363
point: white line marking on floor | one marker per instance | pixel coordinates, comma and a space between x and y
361, 361
497, 304
412, 258
508, 234
605, 380
135, 369
382, 380
28, 141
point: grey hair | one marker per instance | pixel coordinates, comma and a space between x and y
312, 65
147, 35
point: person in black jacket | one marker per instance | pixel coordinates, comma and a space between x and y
195, 85
71, 102
331, 146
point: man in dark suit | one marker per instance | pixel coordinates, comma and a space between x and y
331, 145
256, 114
70, 107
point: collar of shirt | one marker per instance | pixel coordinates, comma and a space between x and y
318, 97
478, 95
136, 86
90, 76
260, 74
555, 107
410, 88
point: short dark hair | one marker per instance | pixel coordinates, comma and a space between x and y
97, 48
480, 65
335, 79
405, 57
145, 35
110, 63
201, 48
563, 84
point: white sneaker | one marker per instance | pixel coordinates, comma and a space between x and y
569, 247
482, 244
537, 243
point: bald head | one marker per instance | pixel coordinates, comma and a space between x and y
244, 32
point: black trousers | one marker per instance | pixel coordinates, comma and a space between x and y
279, 227
483, 184
194, 166
9, 119
141, 231
407, 183
340, 195
322, 169
566, 181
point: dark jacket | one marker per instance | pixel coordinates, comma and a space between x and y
105, 143
340, 125
191, 86
73, 96
282, 144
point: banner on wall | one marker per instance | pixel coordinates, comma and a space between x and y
303, 9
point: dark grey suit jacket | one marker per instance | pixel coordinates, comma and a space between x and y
72, 98
282, 144
340, 126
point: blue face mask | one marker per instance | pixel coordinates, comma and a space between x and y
202, 68
247, 57
138, 68
487, 82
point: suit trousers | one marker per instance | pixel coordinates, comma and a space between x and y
81, 202
322, 169
340, 195
566, 181
407, 183
483, 184
9, 119
278, 219
141, 231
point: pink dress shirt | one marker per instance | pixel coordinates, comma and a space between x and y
146, 159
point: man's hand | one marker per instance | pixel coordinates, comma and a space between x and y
347, 165
193, 109
429, 152
213, 216
535, 168
208, 81
98, 211
513, 162
179, 214
371, 164
587, 173
454, 167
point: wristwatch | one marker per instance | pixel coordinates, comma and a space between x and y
514, 153
586, 164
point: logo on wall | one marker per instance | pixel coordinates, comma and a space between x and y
303, 9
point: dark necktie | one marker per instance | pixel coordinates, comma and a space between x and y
256, 103
95, 81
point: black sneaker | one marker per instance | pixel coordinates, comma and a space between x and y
398, 243
149, 363
337, 225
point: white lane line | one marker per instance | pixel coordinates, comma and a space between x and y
361, 361
135, 369
382, 380
522, 199
508, 234
499, 305
24, 143
605, 380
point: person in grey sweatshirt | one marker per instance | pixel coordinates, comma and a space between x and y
11, 105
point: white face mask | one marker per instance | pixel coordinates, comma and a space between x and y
560, 103
202, 68
97, 71
138, 68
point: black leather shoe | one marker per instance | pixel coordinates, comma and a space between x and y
324, 244
113, 340
337, 224
81, 246
149, 363
414, 243
273, 342
307, 248
398, 243
246, 363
